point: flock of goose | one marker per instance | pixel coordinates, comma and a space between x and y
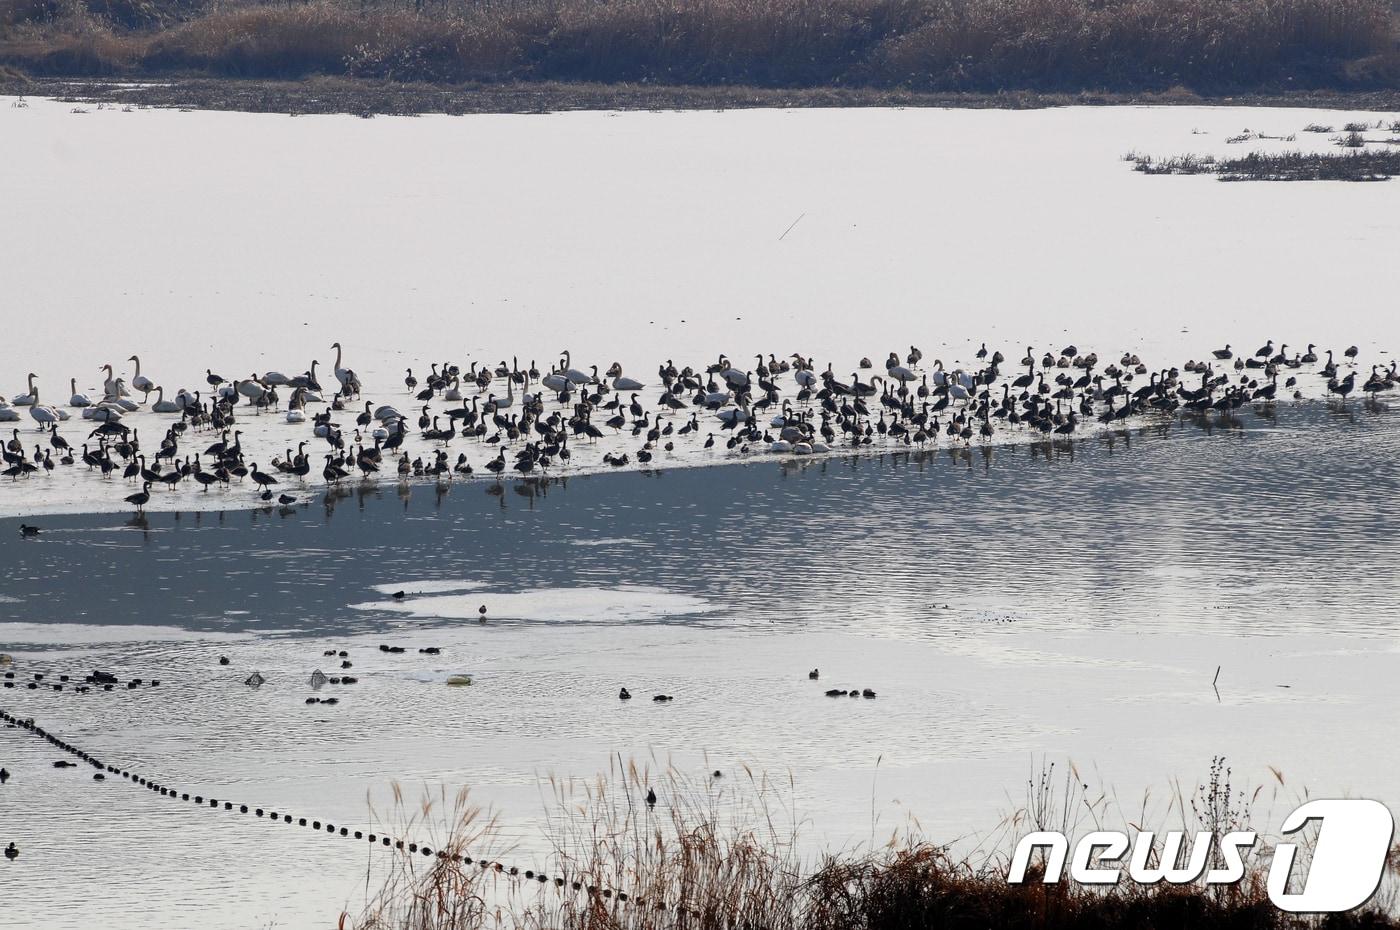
519, 420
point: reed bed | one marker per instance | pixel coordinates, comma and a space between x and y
1355, 164
723, 853
986, 45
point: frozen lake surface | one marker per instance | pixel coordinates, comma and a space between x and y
1006, 602
250, 242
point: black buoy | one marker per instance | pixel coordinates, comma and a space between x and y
223, 660
12, 852
624, 695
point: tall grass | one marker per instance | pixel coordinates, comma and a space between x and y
716, 854
923, 44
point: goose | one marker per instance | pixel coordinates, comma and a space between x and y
140, 381
77, 400
261, 478
733, 416
162, 405
307, 380
141, 497
24, 400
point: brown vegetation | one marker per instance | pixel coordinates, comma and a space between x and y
922, 44
714, 855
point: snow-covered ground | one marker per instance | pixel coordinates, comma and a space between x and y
250, 242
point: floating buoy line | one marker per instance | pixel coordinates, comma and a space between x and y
562, 883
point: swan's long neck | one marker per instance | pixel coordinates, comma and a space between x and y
337, 356
137, 360
568, 359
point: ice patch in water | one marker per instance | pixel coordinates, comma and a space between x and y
580, 605
430, 587
615, 541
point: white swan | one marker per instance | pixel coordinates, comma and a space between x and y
341, 374
24, 400
556, 382
140, 381
296, 416
804, 377
185, 399
104, 412
274, 378
501, 403
8, 414
77, 400
251, 390
717, 397
780, 446
572, 373
386, 413
900, 373
122, 399
162, 405
735, 377
41, 414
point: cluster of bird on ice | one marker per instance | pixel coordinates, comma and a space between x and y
520, 421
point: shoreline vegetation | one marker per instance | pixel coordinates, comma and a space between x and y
420, 56
721, 851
